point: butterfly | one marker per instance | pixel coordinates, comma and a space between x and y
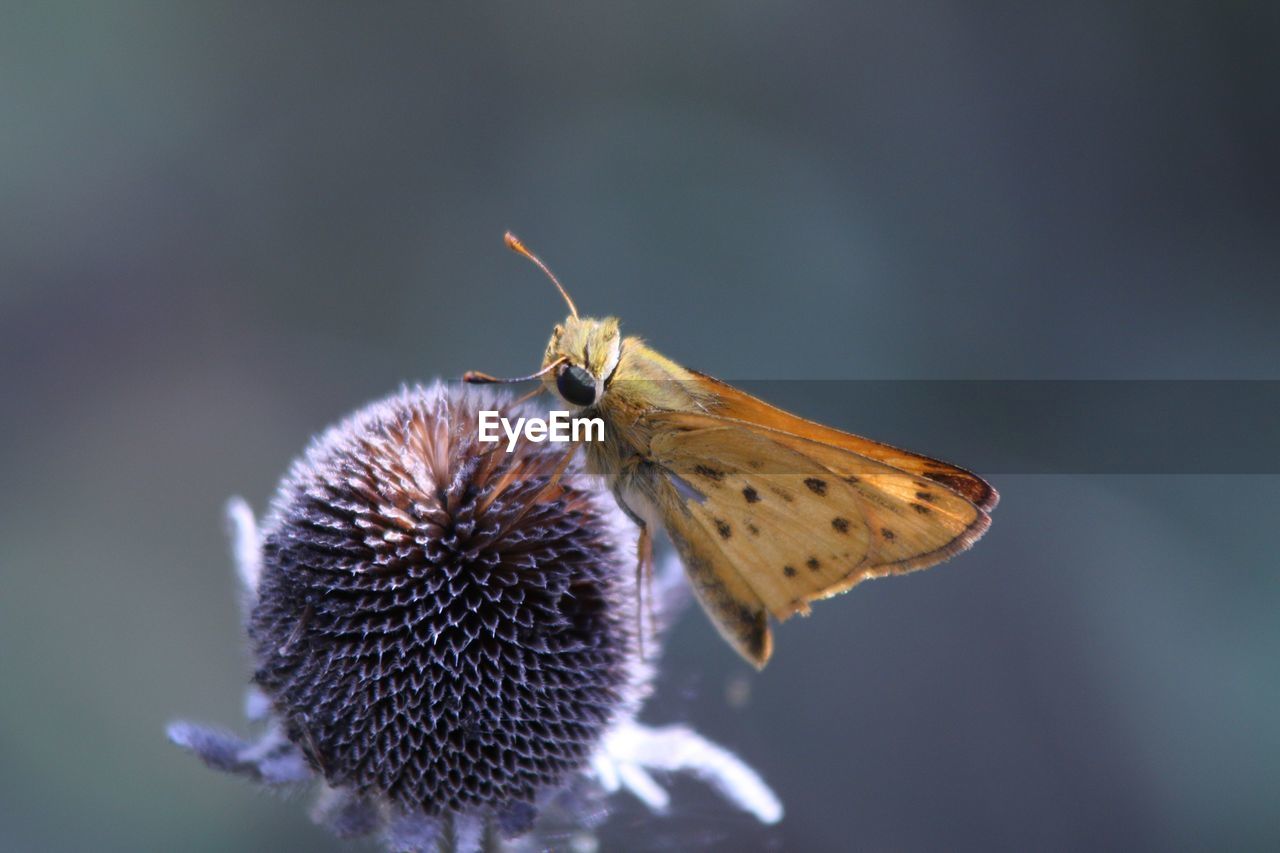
769, 512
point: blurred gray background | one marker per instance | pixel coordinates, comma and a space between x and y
223, 227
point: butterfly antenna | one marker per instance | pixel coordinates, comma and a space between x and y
514, 244
475, 377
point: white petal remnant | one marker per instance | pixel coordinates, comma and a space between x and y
631, 750
246, 549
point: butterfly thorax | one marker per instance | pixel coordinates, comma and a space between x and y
642, 383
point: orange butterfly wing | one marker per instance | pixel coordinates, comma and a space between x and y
732, 403
768, 521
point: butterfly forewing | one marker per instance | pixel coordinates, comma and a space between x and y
729, 402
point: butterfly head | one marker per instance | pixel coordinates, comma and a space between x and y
580, 360
582, 354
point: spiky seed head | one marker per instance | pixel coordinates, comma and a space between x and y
434, 628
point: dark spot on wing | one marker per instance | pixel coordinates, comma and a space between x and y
813, 564
752, 529
925, 496
818, 487
715, 475
782, 494
886, 533
852, 480
751, 495
920, 508
840, 524
789, 571
723, 528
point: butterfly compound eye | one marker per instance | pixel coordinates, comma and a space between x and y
576, 385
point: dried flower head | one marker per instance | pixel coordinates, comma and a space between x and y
433, 625
443, 631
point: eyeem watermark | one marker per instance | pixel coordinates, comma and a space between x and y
561, 427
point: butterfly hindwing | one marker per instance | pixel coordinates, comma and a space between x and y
724, 593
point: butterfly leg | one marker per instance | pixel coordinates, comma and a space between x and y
644, 575
547, 492
644, 582
644, 553
554, 481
